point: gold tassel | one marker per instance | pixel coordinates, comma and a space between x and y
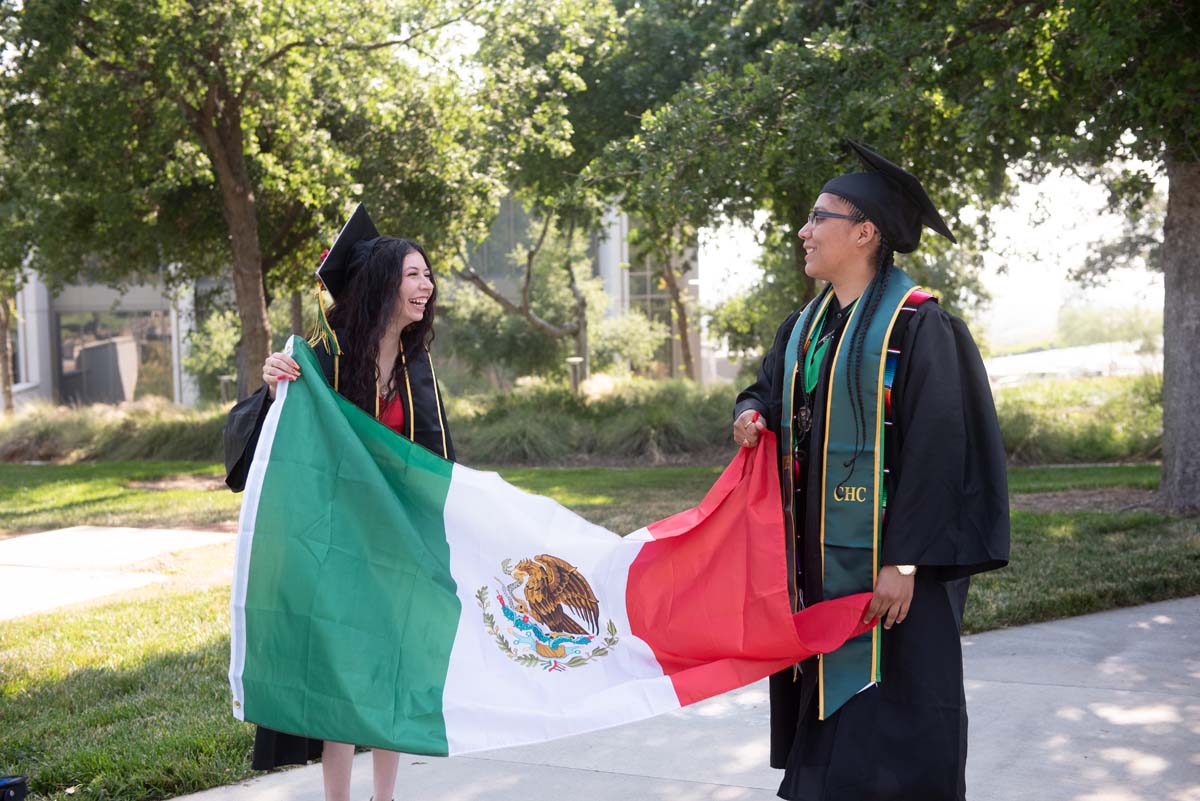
323, 334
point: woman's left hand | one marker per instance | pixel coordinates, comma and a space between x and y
893, 595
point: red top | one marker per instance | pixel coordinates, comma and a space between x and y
391, 414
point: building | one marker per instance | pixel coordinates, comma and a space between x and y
631, 281
93, 344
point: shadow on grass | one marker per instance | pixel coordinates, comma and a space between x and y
157, 730
1066, 564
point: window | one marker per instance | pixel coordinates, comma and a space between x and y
109, 357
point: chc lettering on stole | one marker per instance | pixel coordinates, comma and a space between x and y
850, 494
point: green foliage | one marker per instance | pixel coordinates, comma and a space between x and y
651, 420
488, 337
152, 83
484, 335
1082, 420
145, 429
212, 351
629, 341
1087, 325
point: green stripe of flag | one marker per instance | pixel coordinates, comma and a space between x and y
351, 580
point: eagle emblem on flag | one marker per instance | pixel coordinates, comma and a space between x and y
549, 615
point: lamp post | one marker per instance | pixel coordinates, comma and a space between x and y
575, 361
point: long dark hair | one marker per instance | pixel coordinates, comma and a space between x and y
361, 317
870, 299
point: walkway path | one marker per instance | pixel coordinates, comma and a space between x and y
1104, 707
44, 571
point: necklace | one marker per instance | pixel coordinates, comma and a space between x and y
814, 357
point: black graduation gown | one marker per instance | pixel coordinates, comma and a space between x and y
273, 749
948, 514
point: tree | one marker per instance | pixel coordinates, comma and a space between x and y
967, 94
588, 71
14, 238
1085, 84
235, 134
763, 127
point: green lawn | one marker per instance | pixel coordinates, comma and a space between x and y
129, 700
41, 497
1053, 479
122, 701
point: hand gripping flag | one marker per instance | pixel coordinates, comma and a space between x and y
386, 597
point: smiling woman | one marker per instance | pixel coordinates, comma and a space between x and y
373, 350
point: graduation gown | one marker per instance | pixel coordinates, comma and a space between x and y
904, 739
273, 749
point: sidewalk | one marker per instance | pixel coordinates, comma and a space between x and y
44, 571
1104, 707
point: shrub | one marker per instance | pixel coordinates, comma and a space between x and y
153, 428
1082, 420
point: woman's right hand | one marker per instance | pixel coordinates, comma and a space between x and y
747, 428
279, 367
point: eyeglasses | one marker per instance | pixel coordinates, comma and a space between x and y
819, 214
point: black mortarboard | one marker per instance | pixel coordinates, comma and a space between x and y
891, 197
349, 251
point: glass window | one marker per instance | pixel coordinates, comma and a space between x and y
109, 357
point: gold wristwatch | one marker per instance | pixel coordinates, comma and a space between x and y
907, 570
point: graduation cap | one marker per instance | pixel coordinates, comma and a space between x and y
349, 251
891, 197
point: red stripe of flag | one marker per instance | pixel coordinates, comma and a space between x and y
709, 593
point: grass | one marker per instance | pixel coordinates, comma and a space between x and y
1072, 564
1104, 419
41, 497
129, 700
1068, 477
122, 701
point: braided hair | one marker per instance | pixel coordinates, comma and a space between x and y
875, 290
884, 262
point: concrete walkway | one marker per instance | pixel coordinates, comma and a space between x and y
1104, 707
44, 571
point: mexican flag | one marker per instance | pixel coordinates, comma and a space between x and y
386, 597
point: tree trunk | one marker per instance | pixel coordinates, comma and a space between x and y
223, 139
297, 314
6, 376
672, 272
581, 308
1181, 330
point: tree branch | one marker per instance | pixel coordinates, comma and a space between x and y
468, 273
275, 251
529, 257
321, 43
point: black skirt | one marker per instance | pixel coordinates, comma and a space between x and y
904, 739
274, 749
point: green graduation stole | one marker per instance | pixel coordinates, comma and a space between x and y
851, 501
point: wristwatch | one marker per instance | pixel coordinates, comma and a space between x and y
907, 570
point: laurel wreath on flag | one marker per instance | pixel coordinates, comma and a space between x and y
533, 660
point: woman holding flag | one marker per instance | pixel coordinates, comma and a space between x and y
373, 347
